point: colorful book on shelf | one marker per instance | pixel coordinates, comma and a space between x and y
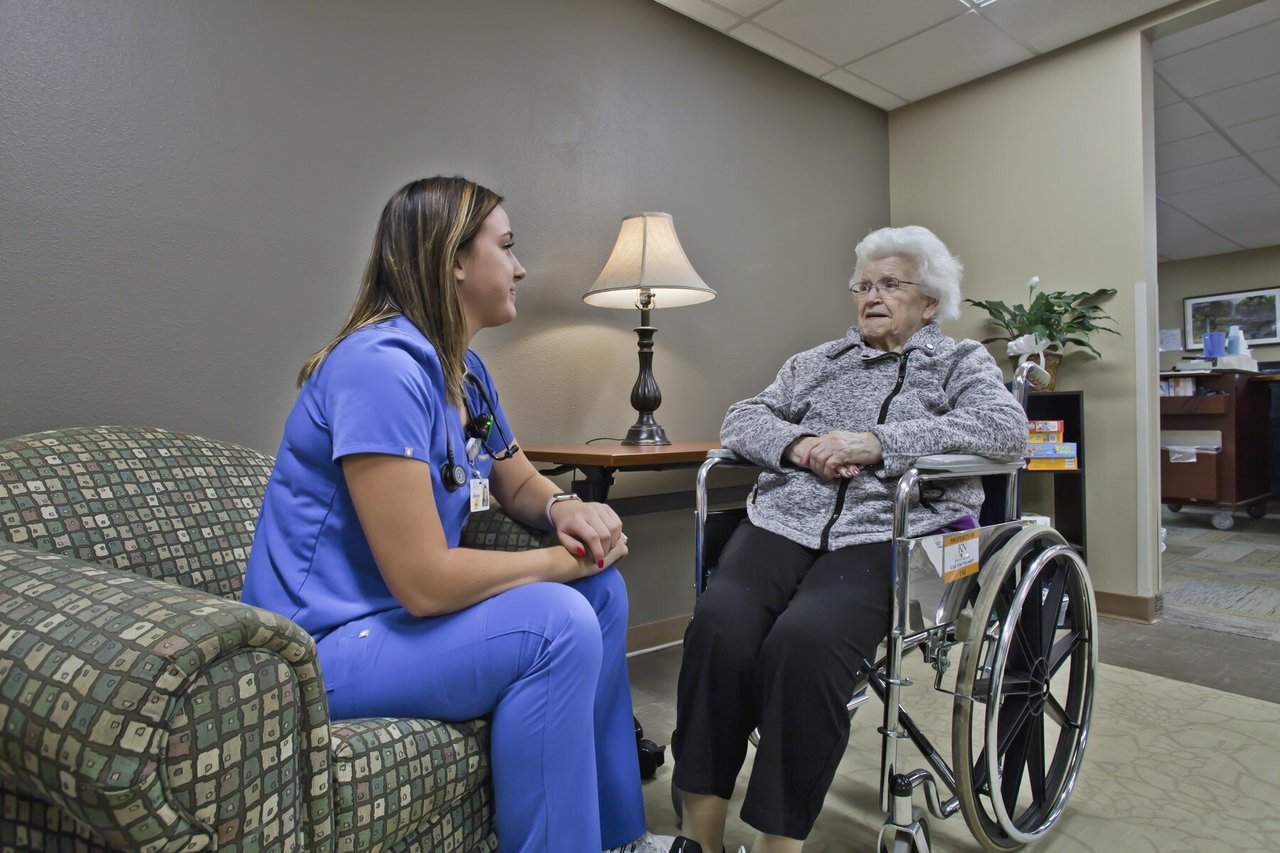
1062, 463
1044, 437
1058, 449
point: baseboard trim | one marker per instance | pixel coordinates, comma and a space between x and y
652, 636
1134, 608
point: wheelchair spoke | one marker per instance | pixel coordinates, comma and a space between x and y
1051, 607
1062, 650
981, 781
1013, 719
1026, 632
1022, 651
1017, 683
1035, 759
1013, 766
1054, 709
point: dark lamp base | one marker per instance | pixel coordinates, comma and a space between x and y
646, 434
645, 396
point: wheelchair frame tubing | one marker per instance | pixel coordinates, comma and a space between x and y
891, 732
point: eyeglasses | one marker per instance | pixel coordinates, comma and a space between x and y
887, 286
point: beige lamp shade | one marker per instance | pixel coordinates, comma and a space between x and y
648, 260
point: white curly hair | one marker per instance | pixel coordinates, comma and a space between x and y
937, 271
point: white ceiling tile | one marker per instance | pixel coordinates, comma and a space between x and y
1255, 186
1218, 28
1269, 159
1178, 121
1234, 215
1164, 95
1207, 244
1261, 231
765, 41
704, 12
1044, 25
956, 52
1178, 236
1185, 153
1261, 227
1244, 103
860, 88
1205, 175
1257, 135
745, 8
1224, 63
845, 30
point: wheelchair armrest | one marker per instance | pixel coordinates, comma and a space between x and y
964, 465
724, 456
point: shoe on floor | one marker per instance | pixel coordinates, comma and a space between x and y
688, 845
685, 845
649, 843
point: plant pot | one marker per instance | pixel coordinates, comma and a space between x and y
1051, 362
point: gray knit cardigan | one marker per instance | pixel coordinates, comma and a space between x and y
936, 396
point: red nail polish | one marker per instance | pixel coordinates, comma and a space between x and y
600, 563
581, 552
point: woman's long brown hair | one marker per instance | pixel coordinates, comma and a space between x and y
410, 271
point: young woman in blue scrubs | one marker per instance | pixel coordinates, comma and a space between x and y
383, 459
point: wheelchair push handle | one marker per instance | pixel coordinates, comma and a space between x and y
1028, 374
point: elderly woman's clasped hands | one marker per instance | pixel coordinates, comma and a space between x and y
836, 454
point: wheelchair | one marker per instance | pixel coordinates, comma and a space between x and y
1017, 600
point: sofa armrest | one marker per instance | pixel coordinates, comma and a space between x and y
135, 706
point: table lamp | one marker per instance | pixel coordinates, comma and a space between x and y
647, 269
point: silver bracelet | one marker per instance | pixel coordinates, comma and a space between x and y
555, 499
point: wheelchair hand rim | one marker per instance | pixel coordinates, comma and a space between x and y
1084, 597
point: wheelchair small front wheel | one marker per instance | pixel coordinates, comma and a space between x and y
1026, 679
900, 845
915, 838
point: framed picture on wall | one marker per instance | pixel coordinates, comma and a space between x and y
1256, 312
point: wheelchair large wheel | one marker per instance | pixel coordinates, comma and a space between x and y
1029, 665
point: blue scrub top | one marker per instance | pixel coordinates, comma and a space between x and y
381, 390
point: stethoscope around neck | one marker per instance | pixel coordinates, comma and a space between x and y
453, 474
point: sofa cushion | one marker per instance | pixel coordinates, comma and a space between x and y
392, 777
162, 504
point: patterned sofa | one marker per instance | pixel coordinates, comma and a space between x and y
143, 707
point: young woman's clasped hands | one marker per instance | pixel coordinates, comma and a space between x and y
590, 531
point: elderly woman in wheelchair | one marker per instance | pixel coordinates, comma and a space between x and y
814, 579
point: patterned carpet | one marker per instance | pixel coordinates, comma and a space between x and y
1222, 580
1169, 767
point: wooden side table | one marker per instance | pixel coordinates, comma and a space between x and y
598, 461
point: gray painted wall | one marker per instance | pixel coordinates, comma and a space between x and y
188, 192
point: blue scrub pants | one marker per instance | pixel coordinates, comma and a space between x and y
548, 662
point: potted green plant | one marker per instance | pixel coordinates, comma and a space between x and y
1043, 328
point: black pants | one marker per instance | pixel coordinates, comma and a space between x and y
776, 641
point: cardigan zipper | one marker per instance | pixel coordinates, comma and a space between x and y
825, 542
